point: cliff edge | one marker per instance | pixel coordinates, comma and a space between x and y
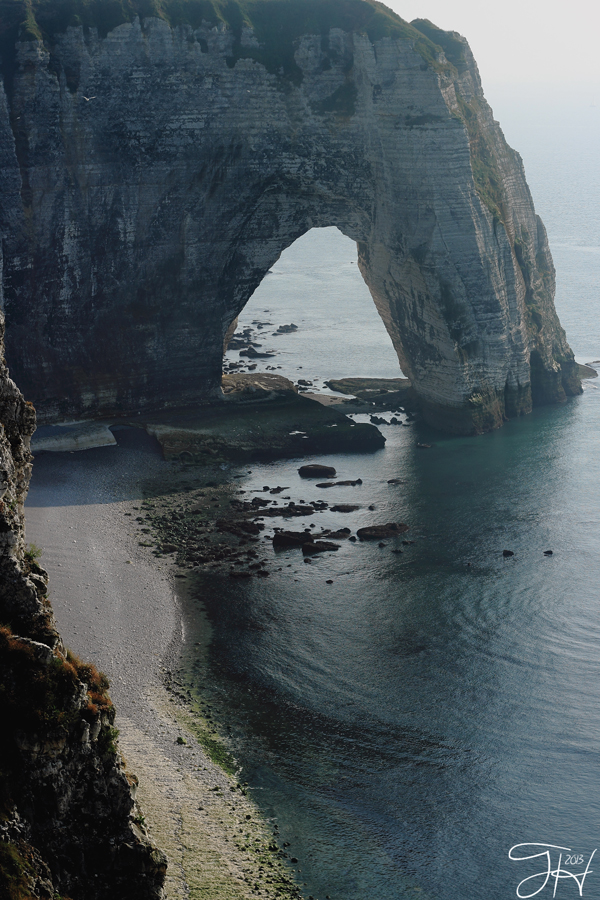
158, 157
67, 815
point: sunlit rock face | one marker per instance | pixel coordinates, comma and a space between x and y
154, 173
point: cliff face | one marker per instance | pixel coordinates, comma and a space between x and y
66, 803
155, 169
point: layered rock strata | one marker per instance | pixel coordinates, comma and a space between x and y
67, 815
155, 169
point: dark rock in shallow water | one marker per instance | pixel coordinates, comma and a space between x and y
251, 353
328, 484
284, 539
376, 532
316, 470
318, 547
344, 508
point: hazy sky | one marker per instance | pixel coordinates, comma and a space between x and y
548, 41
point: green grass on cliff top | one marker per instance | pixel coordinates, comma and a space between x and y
276, 23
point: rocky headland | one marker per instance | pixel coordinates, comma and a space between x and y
157, 160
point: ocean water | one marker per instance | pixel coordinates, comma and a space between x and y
316, 285
411, 722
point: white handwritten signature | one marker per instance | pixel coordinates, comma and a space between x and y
521, 852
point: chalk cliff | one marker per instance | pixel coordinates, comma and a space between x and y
157, 158
67, 818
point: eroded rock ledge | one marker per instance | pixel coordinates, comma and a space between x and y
67, 812
155, 168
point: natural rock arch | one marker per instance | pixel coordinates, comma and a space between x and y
156, 172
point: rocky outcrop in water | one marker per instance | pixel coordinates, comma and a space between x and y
67, 815
154, 169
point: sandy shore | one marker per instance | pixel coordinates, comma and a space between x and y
117, 605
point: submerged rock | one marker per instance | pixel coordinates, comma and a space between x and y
341, 535
328, 484
318, 547
376, 532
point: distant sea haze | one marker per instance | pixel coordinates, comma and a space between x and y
411, 722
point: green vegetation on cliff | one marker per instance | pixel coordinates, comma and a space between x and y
449, 42
486, 172
39, 702
16, 872
277, 24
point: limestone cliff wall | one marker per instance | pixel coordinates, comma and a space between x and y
66, 804
152, 173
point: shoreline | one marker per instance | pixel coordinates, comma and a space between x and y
122, 609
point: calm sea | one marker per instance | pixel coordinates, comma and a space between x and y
411, 722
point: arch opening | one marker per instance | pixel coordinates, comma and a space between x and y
312, 318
